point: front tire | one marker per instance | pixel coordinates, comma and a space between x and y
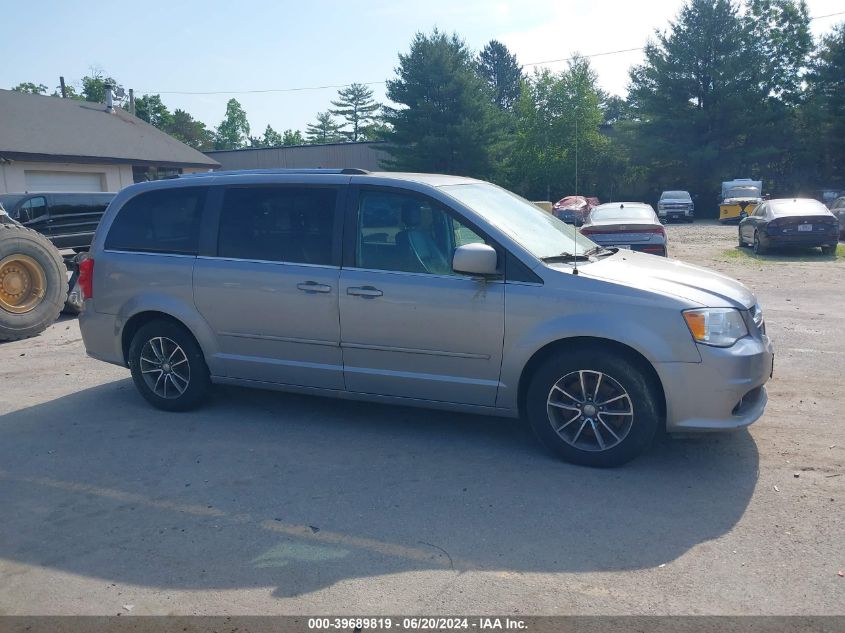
742, 243
168, 366
760, 247
592, 408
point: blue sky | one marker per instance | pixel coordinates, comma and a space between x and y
193, 46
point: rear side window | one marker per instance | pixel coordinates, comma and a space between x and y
279, 224
163, 221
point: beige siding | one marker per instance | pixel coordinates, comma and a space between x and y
13, 174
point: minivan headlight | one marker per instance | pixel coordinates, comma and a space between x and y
720, 327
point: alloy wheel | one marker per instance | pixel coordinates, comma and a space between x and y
590, 410
165, 367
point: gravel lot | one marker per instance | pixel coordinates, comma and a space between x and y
279, 504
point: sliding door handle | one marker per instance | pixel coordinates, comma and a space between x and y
313, 286
364, 291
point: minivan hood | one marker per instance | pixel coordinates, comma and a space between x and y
671, 277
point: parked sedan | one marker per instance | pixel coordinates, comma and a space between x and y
790, 222
627, 225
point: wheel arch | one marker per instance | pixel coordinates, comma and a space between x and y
139, 320
567, 345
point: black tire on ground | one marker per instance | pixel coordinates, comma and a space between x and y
17, 240
644, 419
742, 242
760, 247
73, 303
154, 367
829, 250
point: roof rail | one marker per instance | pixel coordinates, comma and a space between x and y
235, 172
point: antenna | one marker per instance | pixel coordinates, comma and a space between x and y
574, 250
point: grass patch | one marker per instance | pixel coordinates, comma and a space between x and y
786, 256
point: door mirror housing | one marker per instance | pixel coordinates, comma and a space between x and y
475, 259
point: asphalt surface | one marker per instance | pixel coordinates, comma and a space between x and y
280, 504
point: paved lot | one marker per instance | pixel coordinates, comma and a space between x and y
279, 504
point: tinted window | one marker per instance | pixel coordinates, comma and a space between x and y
675, 195
407, 233
164, 221
70, 203
280, 224
33, 209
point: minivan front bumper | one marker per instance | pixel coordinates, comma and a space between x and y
726, 390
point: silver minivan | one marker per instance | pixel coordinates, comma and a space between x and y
417, 289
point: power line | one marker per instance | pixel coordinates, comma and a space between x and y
568, 59
244, 92
379, 83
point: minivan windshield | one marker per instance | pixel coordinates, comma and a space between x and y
538, 232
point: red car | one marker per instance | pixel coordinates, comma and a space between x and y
574, 209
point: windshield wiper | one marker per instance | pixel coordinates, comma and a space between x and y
566, 257
601, 251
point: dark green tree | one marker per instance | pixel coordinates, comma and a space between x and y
502, 74
696, 99
190, 131
31, 88
444, 120
233, 131
292, 137
94, 86
824, 112
325, 130
356, 106
151, 109
782, 41
271, 137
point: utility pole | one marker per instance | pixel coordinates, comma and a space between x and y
132, 102
64, 90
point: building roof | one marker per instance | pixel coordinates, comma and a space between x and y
36, 127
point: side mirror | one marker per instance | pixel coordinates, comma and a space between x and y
475, 259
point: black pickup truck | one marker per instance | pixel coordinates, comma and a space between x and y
68, 220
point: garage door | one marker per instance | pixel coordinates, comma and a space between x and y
63, 181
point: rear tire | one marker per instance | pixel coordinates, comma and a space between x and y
168, 366
828, 250
610, 419
33, 282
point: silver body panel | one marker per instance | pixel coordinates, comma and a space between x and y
443, 341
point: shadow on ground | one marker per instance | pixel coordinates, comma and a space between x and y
787, 255
299, 493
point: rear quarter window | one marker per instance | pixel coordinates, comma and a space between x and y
162, 221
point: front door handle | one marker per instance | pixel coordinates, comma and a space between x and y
364, 291
313, 286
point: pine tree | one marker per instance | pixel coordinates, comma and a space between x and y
503, 75
355, 104
271, 137
447, 123
325, 130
